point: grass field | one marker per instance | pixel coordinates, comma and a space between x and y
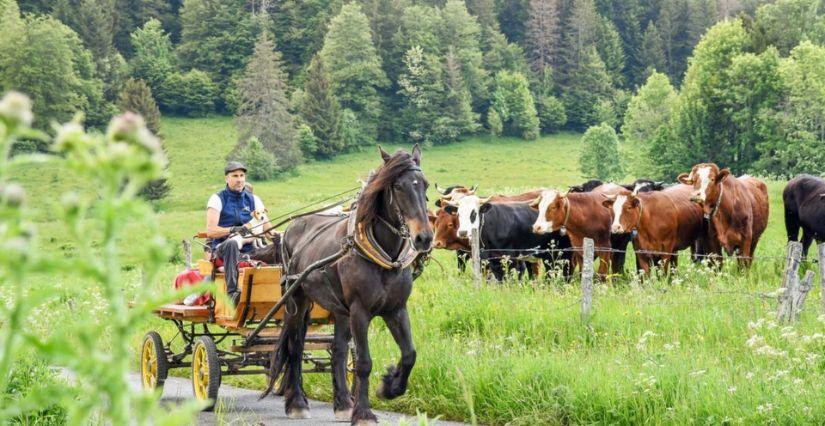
699, 347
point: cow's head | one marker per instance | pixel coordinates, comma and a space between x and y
706, 180
644, 185
445, 225
469, 209
626, 211
551, 207
587, 186
453, 193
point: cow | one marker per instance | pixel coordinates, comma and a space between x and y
505, 229
445, 224
579, 216
663, 222
804, 200
619, 242
735, 209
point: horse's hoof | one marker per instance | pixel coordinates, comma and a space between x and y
299, 413
343, 415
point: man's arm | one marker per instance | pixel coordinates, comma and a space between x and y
212, 228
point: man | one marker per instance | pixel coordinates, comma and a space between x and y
229, 212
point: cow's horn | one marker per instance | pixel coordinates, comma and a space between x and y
440, 190
473, 190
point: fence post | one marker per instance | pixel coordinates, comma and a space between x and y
187, 251
587, 278
821, 258
790, 280
802, 290
475, 252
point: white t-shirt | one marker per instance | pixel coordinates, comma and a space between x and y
215, 203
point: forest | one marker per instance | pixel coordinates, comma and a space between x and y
658, 85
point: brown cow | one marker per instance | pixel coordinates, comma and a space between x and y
664, 221
736, 208
579, 216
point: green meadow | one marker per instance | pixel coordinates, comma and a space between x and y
701, 346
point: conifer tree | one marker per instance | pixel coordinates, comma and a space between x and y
542, 36
320, 110
263, 111
137, 97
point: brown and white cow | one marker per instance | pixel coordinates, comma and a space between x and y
736, 208
664, 222
578, 216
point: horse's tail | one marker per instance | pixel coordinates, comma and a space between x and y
277, 362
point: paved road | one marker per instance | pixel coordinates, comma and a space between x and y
238, 406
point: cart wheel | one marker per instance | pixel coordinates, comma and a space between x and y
153, 363
206, 371
351, 368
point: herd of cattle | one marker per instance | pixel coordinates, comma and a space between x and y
708, 211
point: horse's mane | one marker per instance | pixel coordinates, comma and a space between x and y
370, 199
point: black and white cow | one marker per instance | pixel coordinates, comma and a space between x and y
505, 229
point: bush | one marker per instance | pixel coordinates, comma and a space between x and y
307, 141
192, 94
514, 104
600, 153
261, 165
494, 122
552, 115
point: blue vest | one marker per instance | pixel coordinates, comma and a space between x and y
236, 210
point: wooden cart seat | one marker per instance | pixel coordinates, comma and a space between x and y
266, 292
183, 312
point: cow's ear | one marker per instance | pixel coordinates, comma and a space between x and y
685, 179
451, 209
431, 217
416, 154
722, 174
384, 155
634, 203
608, 203
535, 203
576, 188
438, 203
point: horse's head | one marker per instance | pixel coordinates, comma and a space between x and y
403, 187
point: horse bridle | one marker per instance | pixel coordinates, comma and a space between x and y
403, 230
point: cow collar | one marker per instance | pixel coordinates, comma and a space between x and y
563, 229
634, 232
718, 201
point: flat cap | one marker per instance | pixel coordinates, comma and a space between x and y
232, 166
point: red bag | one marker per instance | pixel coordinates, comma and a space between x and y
189, 278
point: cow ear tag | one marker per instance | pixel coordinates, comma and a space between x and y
563, 231
634, 233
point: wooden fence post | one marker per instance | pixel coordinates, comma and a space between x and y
475, 252
587, 278
821, 252
802, 290
790, 280
187, 251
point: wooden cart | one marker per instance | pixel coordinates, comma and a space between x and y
252, 330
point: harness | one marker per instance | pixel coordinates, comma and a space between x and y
363, 239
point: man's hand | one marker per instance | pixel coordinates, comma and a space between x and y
240, 230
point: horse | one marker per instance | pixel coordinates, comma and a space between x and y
375, 247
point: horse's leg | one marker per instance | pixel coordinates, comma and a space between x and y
295, 401
342, 399
359, 320
394, 383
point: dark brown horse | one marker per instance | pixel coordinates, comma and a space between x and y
391, 214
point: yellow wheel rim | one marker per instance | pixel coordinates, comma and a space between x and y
149, 365
350, 370
200, 373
